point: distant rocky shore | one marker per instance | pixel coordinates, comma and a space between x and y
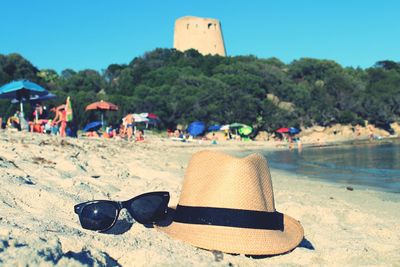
318, 135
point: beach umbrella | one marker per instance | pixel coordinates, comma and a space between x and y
92, 126
214, 128
237, 125
102, 106
139, 117
282, 130
151, 118
149, 115
293, 130
35, 98
246, 130
196, 128
224, 127
21, 89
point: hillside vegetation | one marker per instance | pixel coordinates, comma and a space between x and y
183, 87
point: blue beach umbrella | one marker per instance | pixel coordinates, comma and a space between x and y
196, 128
93, 126
214, 128
293, 130
21, 89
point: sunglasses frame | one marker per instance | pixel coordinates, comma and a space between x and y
119, 205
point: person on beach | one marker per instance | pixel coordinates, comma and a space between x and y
228, 135
299, 144
56, 117
214, 139
15, 121
2, 123
36, 126
121, 131
291, 145
370, 132
109, 132
320, 142
38, 112
61, 118
139, 136
48, 127
92, 134
170, 133
129, 120
178, 134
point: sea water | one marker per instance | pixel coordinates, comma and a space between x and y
369, 165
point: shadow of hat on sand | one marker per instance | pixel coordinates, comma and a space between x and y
169, 219
303, 244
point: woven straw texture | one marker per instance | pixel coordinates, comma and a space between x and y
217, 180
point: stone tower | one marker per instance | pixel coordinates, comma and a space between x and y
202, 34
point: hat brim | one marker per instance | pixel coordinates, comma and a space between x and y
237, 240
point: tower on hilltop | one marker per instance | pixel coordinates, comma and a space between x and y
202, 34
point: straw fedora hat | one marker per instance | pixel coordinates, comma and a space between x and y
227, 204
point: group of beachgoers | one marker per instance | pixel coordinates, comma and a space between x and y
214, 136
126, 130
42, 122
61, 125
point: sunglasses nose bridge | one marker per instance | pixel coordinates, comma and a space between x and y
126, 205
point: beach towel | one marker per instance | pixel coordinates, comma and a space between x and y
68, 109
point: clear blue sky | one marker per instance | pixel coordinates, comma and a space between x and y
82, 34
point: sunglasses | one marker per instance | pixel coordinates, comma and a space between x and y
101, 215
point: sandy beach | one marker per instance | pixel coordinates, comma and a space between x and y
42, 177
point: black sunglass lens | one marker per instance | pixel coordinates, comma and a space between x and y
148, 208
98, 216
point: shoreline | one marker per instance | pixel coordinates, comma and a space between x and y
271, 148
345, 186
301, 160
43, 177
